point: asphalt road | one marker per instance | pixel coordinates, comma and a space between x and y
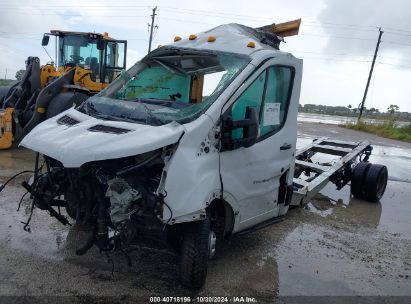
335, 246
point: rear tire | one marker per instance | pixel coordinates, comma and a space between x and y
64, 101
358, 179
375, 182
194, 254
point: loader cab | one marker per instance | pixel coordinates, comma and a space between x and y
103, 56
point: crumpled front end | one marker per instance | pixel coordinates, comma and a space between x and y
120, 200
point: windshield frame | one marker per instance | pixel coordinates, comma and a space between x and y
198, 108
62, 56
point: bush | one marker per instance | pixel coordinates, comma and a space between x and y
386, 129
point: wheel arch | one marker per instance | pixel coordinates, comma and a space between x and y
222, 217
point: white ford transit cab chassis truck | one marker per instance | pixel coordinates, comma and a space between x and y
194, 143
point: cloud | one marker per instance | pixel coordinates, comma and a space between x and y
335, 69
360, 21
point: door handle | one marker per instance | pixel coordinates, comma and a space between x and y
285, 147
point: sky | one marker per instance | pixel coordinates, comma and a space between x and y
337, 38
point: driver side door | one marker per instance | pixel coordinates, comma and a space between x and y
252, 174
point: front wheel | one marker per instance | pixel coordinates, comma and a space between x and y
195, 251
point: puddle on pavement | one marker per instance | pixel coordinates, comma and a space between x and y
348, 247
317, 260
305, 254
46, 238
15, 160
390, 215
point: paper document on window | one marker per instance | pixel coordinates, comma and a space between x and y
271, 114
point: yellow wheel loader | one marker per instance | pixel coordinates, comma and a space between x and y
85, 64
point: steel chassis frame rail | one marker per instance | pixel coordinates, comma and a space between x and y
340, 171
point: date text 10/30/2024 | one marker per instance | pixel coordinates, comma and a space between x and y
203, 299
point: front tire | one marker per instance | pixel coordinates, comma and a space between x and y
195, 246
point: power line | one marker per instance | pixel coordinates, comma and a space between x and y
306, 22
331, 54
395, 42
216, 14
395, 64
338, 37
335, 59
400, 34
81, 15
397, 30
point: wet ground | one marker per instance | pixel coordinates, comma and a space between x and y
337, 245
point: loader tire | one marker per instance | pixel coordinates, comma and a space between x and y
375, 182
194, 254
64, 101
3, 93
358, 178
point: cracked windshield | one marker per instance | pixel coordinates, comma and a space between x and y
174, 85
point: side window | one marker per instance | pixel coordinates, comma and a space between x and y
252, 97
269, 94
276, 99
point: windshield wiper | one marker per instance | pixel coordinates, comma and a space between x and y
115, 118
90, 110
150, 114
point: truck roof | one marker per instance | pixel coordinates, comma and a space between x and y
233, 38
90, 34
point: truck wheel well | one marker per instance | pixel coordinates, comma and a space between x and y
222, 218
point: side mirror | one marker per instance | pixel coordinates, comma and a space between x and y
250, 131
250, 126
45, 40
101, 44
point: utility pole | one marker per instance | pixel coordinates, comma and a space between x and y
152, 26
370, 75
5, 76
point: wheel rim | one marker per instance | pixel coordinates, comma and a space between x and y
381, 184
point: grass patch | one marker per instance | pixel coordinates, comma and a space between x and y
6, 82
386, 129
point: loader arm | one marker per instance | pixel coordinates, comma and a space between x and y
44, 98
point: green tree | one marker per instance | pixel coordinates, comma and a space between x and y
19, 74
392, 108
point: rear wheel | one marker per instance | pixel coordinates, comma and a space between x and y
195, 250
358, 178
64, 101
375, 182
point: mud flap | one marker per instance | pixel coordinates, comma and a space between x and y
6, 128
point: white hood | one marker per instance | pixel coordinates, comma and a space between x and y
76, 145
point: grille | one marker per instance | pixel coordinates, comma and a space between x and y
108, 129
67, 120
